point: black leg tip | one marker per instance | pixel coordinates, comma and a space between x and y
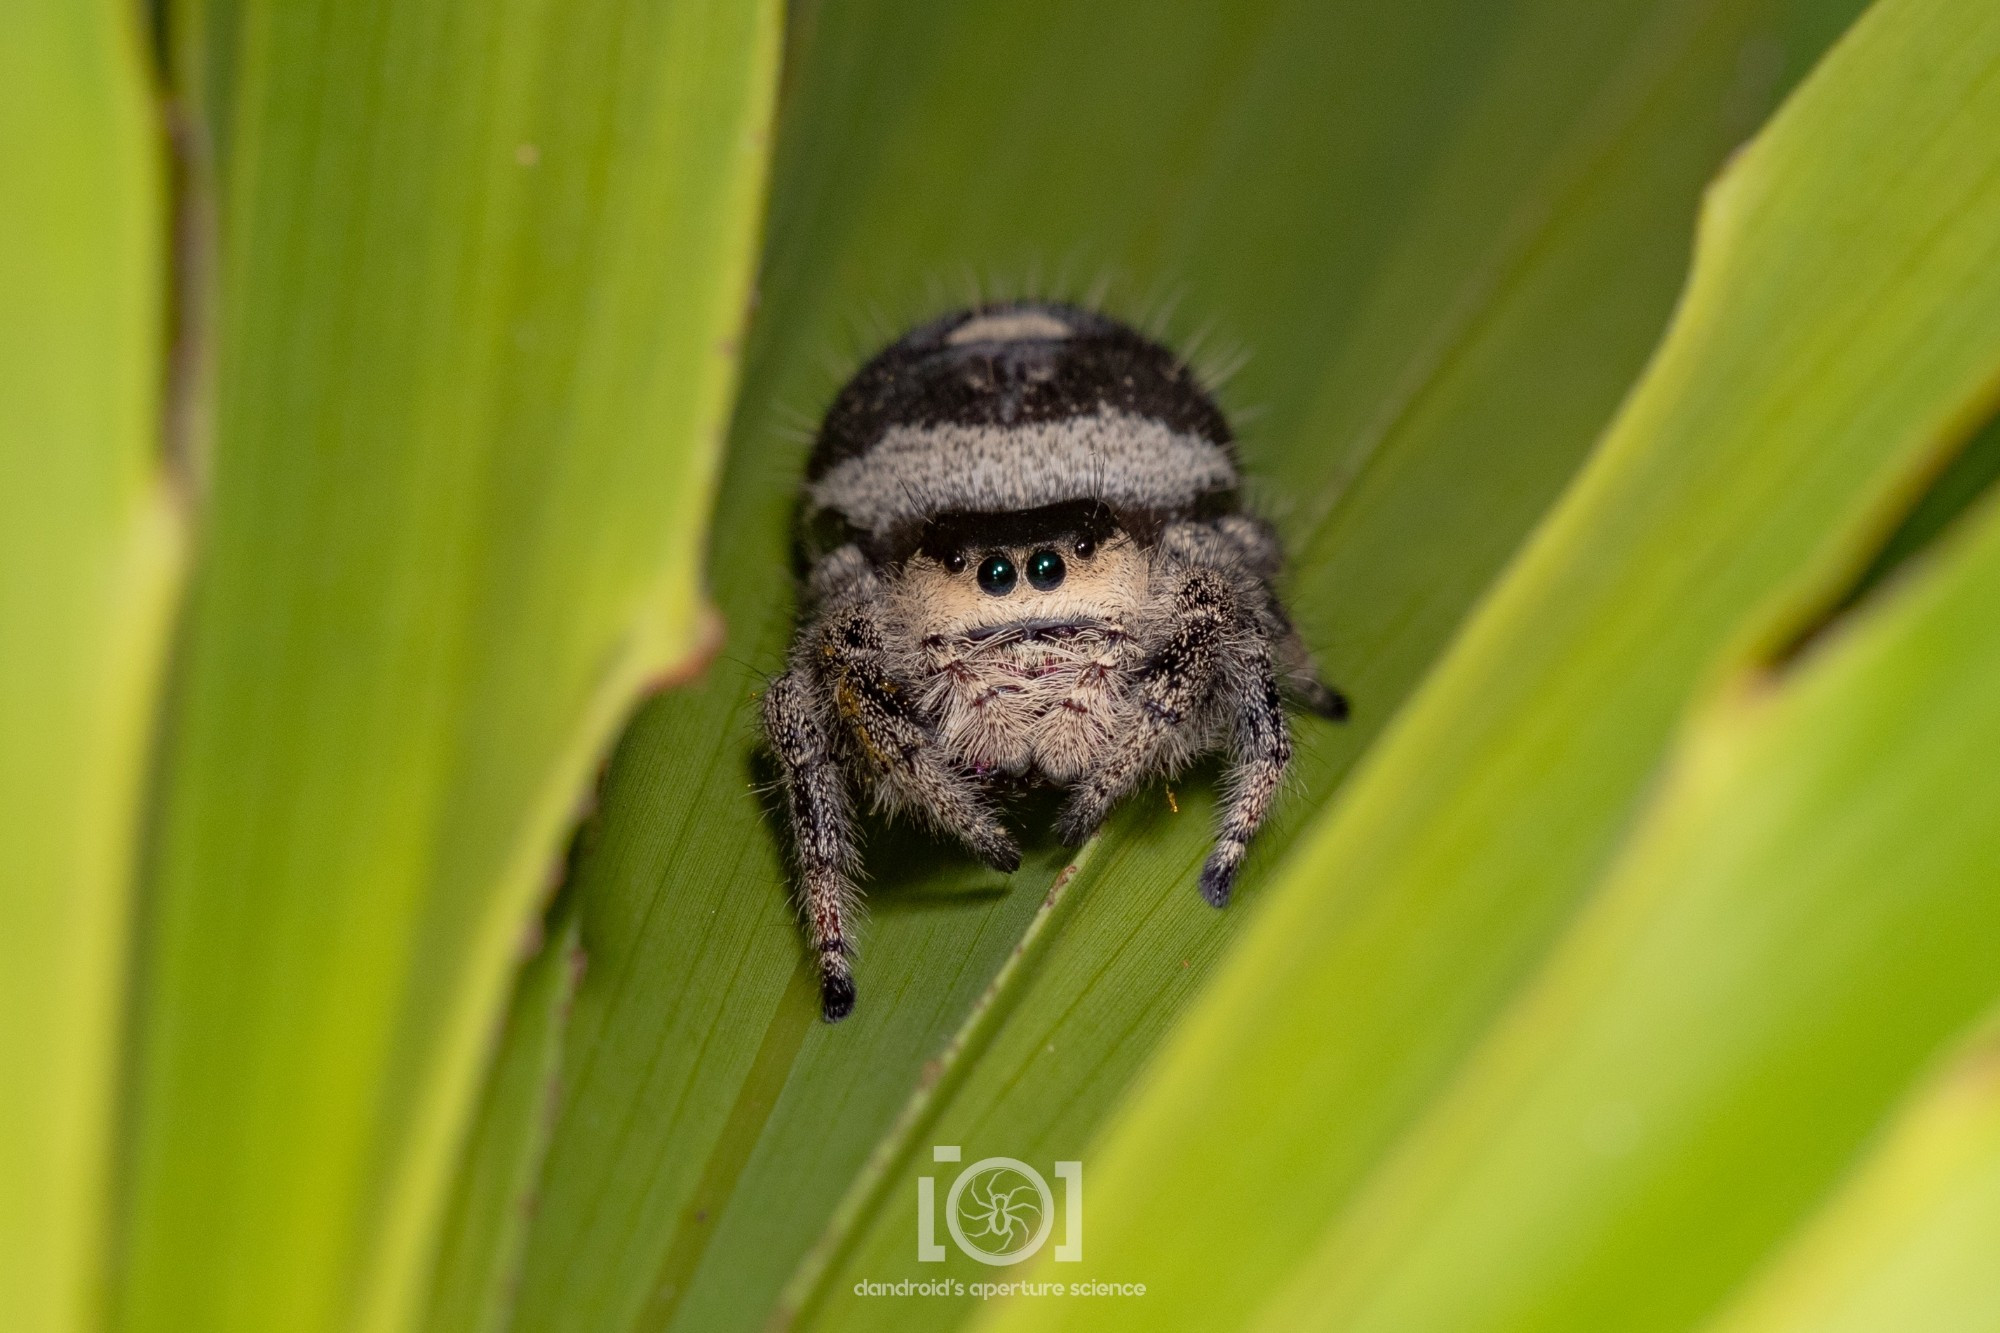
1328, 702
836, 997
1217, 883
1074, 827
1005, 858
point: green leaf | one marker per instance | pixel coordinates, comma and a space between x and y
1909, 1239
90, 557
1402, 550
481, 271
1802, 919
634, 1184
486, 1223
1840, 334
1322, 184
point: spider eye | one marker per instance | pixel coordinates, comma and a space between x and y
954, 563
1085, 547
1045, 569
996, 575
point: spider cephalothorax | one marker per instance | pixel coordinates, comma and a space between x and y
1027, 566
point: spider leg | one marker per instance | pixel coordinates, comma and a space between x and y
881, 715
1261, 743
1250, 545
1173, 687
822, 830
1298, 674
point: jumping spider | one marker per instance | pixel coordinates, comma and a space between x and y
1027, 566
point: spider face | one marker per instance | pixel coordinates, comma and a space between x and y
977, 571
1028, 565
1018, 633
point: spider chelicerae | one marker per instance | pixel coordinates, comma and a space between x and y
1027, 566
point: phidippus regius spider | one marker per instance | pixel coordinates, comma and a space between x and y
1027, 566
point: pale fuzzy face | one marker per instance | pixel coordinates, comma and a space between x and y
1027, 681
1107, 587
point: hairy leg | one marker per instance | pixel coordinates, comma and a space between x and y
1173, 685
1300, 675
880, 713
822, 831
1249, 547
1261, 742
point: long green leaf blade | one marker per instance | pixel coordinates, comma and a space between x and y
1839, 335
90, 551
1799, 924
486, 1225
1596, 200
482, 267
1322, 184
634, 1184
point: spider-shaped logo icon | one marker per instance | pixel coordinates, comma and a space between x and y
1000, 1210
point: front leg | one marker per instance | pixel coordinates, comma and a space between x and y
1250, 546
1173, 687
822, 832
880, 714
1261, 742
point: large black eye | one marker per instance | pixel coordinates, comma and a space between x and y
1045, 569
996, 575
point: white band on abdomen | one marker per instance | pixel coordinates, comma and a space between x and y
1117, 457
